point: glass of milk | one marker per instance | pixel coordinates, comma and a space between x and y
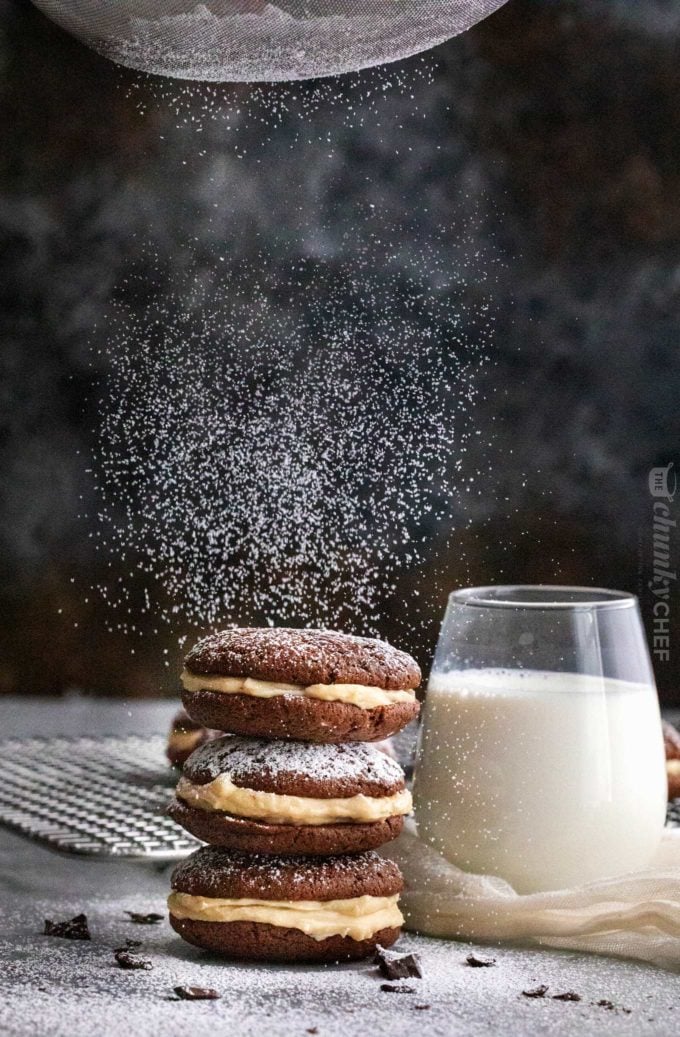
541, 757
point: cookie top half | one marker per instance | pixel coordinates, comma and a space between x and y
297, 768
214, 871
303, 657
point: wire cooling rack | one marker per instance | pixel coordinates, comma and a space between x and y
96, 797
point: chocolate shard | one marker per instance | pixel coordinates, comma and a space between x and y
73, 929
568, 995
397, 966
127, 960
539, 991
197, 993
393, 988
149, 919
476, 962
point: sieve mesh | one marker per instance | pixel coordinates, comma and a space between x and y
251, 40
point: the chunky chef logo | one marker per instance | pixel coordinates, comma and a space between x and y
662, 486
663, 482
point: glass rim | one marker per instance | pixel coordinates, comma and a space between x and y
548, 597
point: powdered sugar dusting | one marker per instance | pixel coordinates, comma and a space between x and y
303, 657
216, 871
359, 765
73, 989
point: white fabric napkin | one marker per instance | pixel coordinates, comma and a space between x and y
631, 916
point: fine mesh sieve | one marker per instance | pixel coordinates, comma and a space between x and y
251, 40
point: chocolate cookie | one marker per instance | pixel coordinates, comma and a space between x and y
285, 797
303, 657
309, 685
286, 908
185, 736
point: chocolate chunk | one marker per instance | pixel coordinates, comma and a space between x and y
149, 919
568, 995
74, 929
391, 988
536, 991
397, 966
479, 963
422, 1008
604, 1003
313, 1029
126, 960
197, 993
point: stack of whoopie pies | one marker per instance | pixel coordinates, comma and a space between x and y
293, 800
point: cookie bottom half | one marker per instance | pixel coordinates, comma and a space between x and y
251, 836
297, 717
257, 941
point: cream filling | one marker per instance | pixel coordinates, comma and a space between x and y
222, 794
182, 740
354, 694
358, 917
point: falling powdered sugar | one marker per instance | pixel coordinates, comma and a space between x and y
277, 443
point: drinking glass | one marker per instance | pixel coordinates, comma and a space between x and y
540, 758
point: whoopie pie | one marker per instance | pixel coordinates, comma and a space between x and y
285, 797
295, 909
185, 735
308, 685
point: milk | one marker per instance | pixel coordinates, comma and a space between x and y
546, 779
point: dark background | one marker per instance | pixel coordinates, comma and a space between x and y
558, 121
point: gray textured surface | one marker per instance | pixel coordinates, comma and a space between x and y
59, 987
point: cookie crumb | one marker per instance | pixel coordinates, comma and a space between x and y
539, 991
149, 919
479, 963
73, 929
127, 960
197, 994
397, 966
